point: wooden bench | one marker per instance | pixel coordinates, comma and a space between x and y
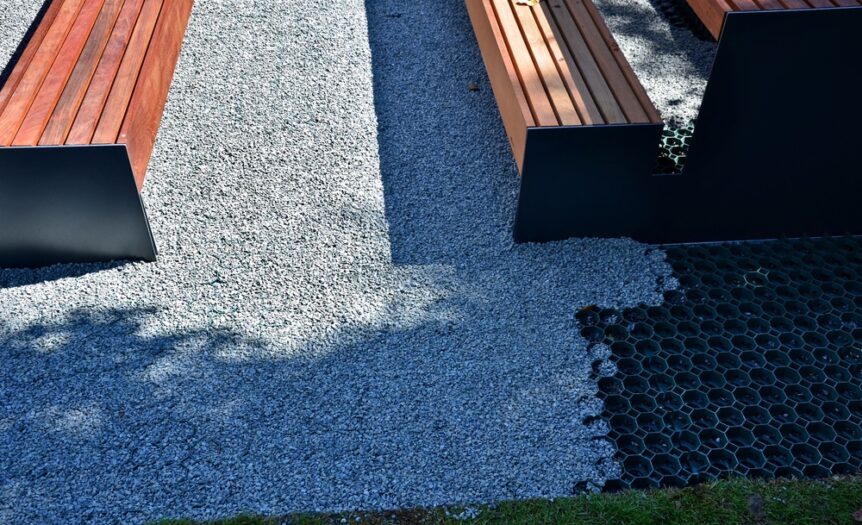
79, 114
579, 122
713, 12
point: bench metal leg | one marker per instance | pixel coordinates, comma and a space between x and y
586, 181
776, 149
70, 204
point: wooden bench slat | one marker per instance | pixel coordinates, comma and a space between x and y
127, 76
52, 87
601, 49
100, 86
556, 89
651, 114
541, 106
795, 4
745, 5
769, 4
598, 86
579, 91
141, 123
28, 53
37, 69
70, 101
508, 91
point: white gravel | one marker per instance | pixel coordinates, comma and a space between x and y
338, 318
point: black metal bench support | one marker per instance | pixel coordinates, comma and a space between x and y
70, 204
577, 181
776, 149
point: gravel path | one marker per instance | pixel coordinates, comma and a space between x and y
338, 318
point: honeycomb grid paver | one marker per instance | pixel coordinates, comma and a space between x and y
752, 367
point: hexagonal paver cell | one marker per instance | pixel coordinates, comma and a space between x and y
752, 367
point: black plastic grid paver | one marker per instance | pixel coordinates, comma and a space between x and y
752, 367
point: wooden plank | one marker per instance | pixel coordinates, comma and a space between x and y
650, 113
141, 124
70, 101
744, 5
546, 66
578, 89
769, 4
711, 13
820, 3
21, 100
598, 84
100, 86
534, 89
55, 82
127, 76
795, 4
29, 52
511, 100
606, 61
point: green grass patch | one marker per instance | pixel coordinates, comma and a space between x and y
731, 502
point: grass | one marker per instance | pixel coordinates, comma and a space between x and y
730, 502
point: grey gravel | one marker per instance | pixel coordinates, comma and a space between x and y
338, 319
671, 62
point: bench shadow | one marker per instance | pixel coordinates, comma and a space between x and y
450, 181
17, 277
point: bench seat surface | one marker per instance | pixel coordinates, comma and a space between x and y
95, 72
711, 12
565, 67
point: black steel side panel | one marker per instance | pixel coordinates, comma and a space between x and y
70, 204
776, 150
586, 181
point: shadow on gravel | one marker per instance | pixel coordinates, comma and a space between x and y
126, 414
15, 277
450, 182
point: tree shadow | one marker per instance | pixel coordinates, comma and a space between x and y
142, 421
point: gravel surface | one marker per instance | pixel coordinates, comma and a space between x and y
338, 319
671, 62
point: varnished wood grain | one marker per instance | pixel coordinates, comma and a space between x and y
147, 104
73, 94
29, 52
93, 104
546, 67
537, 97
58, 75
127, 76
569, 70
37, 69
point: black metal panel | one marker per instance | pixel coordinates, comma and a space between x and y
586, 181
776, 149
70, 204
